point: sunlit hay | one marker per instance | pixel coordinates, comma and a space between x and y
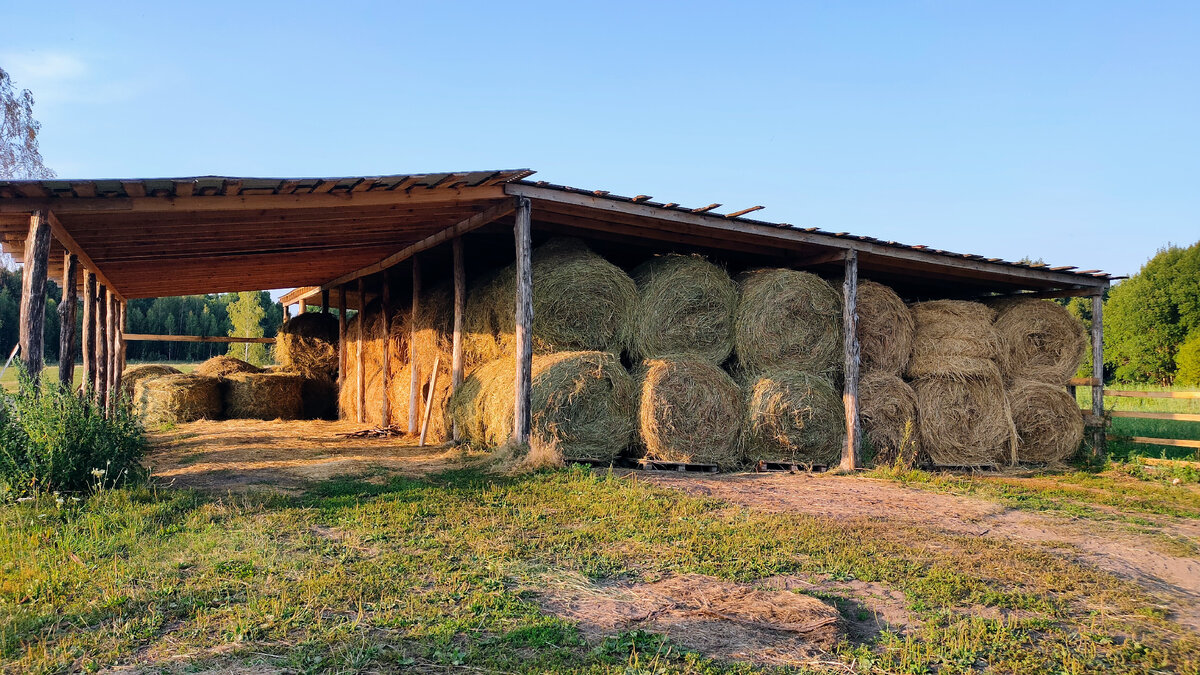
581, 302
952, 331
964, 420
520, 458
1040, 340
788, 320
432, 342
582, 404
223, 366
135, 374
264, 396
794, 417
885, 328
481, 319
399, 386
686, 305
1047, 419
887, 407
372, 367
308, 344
689, 411
171, 399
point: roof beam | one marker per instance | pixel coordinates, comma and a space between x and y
60, 233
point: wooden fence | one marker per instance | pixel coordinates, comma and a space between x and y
1123, 393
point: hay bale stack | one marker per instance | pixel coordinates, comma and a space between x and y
135, 374
308, 344
686, 305
1048, 423
1040, 340
689, 411
177, 398
431, 342
888, 410
794, 417
224, 366
965, 419
264, 396
885, 328
581, 302
582, 404
788, 320
375, 333
953, 338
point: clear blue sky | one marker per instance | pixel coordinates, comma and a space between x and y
1068, 131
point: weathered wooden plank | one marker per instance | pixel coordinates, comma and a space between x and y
1098, 437
88, 343
385, 302
101, 313
33, 295
524, 322
341, 375
64, 237
852, 354
114, 350
429, 399
67, 308
1083, 382
151, 337
460, 305
1183, 417
1156, 441
1151, 394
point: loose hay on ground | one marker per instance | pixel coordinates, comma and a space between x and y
965, 420
885, 328
265, 396
308, 344
689, 411
686, 304
223, 366
171, 399
793, 417
1040, 340
888, 409
135, 374
952, 330
1047, 420
788, 320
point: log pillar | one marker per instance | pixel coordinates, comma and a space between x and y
120, 342
101, 383
1099, 438
524, 322
66, 321
360, 359
414, 368
385, 302
341, 375
325, 301
852, 353
114, 349
33, 295
460, 305
88, 343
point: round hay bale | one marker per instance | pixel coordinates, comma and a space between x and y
888, 410
686, 305
177, 398
308, 344
788, 320
953, 337
582, 404
224, 366
1047, 419
885, 328
135, 374
581, 302
264, 396
965, 420
1040, 340
794, 417
689, 411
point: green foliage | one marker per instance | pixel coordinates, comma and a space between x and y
19, 154
246, 315
1187, 362
55, 440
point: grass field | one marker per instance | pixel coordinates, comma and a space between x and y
1123, 426
50, 373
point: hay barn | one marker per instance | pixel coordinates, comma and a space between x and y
448, 286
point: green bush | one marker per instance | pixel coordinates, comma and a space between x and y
1187, 362
54, 440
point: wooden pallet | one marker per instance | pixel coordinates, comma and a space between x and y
655, 465
969, 469
787, 467
601, 463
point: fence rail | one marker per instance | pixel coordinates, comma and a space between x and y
1180, 417
196, 338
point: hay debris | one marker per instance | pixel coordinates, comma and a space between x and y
953, 337
885, 328
965, 419
1040, 340
264, 396
686, 305
788, 320
224, 366
135, 374
887, 406
177, 398
1047, 420
689, 411
308, 344
794, 417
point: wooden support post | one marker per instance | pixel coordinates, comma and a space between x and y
325, 301
414, 368
88, 343
524, 322
385, 302
101, 383
114, 348
287, 312
852, 353
1098, 433
342, 342
33, 295
118, 352
66, 321
460, 306
360, 397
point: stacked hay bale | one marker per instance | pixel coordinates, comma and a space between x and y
307, 346
689, 410
1041, 347
264, 396
371, 338
177, 398
224, 366
134, 374
887, 404
423, 341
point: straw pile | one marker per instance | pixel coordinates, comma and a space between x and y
965, 420
582, 404
689, 411
885, 328
224, 366
686, 304
265, 396
1047, 420
431, 342
308, 344
788, 320
794, 417
135, 374
581, 302
953, 338
372, 346
887, 407
1040, 340
177, 398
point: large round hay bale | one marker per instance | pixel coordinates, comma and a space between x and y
177, 398
686, 305
689, 411
788, 320
581, 302
965, 420
308, 344
135, 374
887, 407
1040, 340
1047, 419
224, 366
794, 417
582, 404
885, 328
264, 396
953, 336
